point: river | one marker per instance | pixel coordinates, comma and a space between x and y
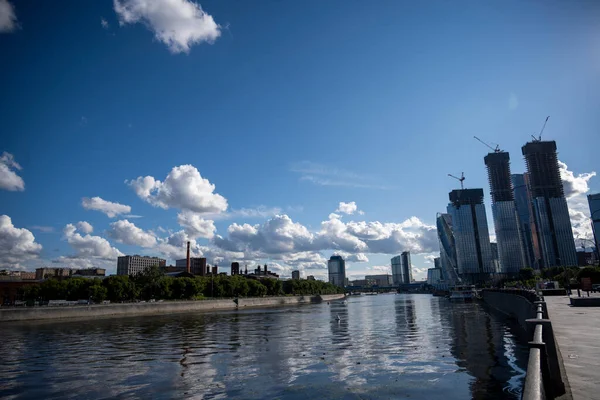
386, 346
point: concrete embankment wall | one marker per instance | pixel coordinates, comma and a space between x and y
170, 307
517, 307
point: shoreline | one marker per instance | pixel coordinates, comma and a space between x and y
65, 313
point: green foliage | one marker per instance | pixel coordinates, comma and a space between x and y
153, 284
526, 274
589, 272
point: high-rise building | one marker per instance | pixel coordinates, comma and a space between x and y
471, 235
132, 265
235, 268
549, 206
521, 195
508, 235
495, 262
594, 202
406, 266
397, 277
295, 274
448, 261
197, 265
380, 280
337, 271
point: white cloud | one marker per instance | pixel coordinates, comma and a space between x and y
179, 24
44, 229
184, 188
85, 227
104, 23
17, 245
89, 246
326, 175
126, 232
513, 102
379, 269
196, 226
107, 207
575, 188
348, 208
8, 18
9, 180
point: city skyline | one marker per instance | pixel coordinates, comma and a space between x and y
102, 165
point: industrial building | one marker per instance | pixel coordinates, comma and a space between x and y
132, 265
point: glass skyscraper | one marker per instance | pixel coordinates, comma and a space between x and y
549, 206
447, 261
401, 269
594, 202
471, 235
520, 192
508, 235
337, 271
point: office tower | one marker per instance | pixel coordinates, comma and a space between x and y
549, 206
508, 235
448, 261
215, 270
594, 202
235, 268
131, 265
406, 266
197, 265
471, 236
495, 262
296, 274
521, 195
397, 277
337, 271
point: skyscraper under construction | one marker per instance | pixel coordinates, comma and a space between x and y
508, 233
549, 206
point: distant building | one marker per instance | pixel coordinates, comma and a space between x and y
437, 262
197, 265
215, 270
263, 272
471, 236
401, 269
363, 282
310, 278
380, 280
337, 271
296, 274
434, 277
46, 273
521, 194
235, 268
550, 210
132, 265
169, 269
594, 202
511, 257
495, 261
90, 272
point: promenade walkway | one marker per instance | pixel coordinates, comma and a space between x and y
577, 332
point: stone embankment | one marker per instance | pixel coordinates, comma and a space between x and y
156, 308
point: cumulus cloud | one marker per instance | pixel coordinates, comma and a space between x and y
379, 269
126, 232
107, 207
184, 188
89, 246
281, 238
8, 18
104, 23
576, 186
174, 247
179, 24
349, 208
196, 226
17, 245
44, 229
85, 227
9, 180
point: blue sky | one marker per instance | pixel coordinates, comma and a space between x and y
288, 108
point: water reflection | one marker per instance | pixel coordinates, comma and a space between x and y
384, 346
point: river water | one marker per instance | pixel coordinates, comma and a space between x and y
384, 347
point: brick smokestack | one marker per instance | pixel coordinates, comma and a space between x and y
187, 261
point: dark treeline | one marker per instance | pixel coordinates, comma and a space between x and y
153, 284
564, 275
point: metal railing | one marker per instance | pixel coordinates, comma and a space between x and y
543, 380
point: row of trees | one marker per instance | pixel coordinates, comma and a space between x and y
153, 284
564, 275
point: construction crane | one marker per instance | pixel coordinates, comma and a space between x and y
495, 150
539, 138
461, 179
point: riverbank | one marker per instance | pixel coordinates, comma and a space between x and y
169, 307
